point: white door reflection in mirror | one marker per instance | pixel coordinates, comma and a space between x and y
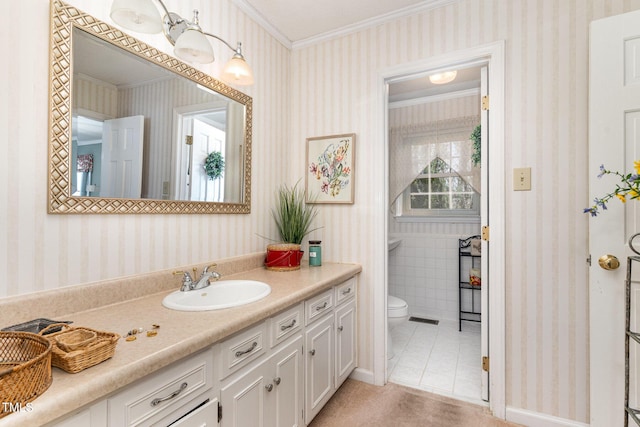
122, 142
206, 139
200, 130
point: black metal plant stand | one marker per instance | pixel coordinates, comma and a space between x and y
629, 334
464, 286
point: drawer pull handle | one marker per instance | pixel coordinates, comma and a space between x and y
346, 291
312, 352
277, 380
322, 307
249, 350
289, 326
340, 328
159, 400
269, 387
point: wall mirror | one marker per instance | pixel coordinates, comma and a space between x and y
135, 130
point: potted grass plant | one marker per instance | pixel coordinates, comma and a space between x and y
293, 219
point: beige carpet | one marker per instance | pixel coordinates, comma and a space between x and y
360, 404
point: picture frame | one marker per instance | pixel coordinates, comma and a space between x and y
330, 169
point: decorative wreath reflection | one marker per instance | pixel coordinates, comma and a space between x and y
214, 165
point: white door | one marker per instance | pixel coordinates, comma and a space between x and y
484, 219
614, 123
206, 138
122, 142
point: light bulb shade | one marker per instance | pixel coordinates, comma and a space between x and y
141, 16
442, 78
193, 46
237, 71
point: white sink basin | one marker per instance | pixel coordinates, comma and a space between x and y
218, 295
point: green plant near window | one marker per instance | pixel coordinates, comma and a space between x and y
292, 215
477, 143
214, 165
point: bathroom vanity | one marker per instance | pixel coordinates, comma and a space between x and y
274, 362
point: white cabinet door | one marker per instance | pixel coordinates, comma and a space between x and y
319, 366
284, 406
345, 341
94, 416
269, 394
243, 401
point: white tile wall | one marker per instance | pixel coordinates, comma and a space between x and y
423, 271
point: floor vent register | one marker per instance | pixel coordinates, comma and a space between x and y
421, 320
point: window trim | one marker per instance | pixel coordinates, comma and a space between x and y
403, 203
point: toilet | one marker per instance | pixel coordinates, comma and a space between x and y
397, 313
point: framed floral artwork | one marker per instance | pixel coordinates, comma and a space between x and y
330, 168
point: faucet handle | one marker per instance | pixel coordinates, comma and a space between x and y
206, 269
184, 274
187, 281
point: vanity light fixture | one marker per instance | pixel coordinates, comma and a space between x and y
188, 39
442, 78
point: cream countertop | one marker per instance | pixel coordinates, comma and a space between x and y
180, 334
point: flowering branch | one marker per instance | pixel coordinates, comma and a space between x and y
629, 186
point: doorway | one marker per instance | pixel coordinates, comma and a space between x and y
493, 326
435, 194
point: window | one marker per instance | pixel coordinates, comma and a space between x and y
440, 191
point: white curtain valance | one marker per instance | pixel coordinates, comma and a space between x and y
413, 147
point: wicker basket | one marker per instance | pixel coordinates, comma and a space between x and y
76, 339
101, 349
25, 368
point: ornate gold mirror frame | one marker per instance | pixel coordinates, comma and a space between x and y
60, 201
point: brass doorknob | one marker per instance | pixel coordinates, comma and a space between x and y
609, 262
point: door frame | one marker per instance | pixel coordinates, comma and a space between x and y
493, 54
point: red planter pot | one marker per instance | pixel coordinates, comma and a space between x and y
283, 257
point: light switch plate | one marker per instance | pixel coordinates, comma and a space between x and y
522, 179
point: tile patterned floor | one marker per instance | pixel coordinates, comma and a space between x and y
438, 358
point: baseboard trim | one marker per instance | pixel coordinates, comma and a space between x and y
363, 375
537, 419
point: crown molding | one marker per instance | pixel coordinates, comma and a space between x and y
253, 13
371, 22
355, 27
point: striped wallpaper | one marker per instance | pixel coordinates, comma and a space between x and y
326, 88
546, 129
40, 251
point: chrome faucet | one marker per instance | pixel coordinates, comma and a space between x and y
203, 282
189, 285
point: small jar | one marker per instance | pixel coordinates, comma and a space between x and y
315, 253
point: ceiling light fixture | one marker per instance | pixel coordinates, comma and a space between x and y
188, 39
442, 78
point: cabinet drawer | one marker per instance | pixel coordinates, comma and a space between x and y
242, 348
285, 324
203, 416
318, 305
345, 291
163, 393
